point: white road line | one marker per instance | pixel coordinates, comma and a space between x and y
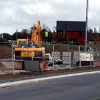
45, 78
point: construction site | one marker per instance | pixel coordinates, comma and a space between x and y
31, 56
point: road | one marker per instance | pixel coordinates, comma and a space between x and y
84, 87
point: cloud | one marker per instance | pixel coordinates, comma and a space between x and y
38, 9
20, 14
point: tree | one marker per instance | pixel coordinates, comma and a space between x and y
17, 35
7, 36
24, 33
54, 35
90, 30
3, 40
43, 34
44, 28
50, 36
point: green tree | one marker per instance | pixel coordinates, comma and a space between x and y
17, 35
25, 33
50, 36
43, 34
7, 36
3, 40
54, 35
44, 28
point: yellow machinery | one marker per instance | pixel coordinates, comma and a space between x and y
36, 36
30, 50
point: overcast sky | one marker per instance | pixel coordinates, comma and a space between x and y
22, 14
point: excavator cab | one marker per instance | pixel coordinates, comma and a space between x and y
30, 50
22, 42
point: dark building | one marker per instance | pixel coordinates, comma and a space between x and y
90, 38
71, 32
93, 38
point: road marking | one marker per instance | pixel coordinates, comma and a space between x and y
45, 78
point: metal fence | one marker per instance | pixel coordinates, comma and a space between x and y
63, 56
69, 56
6, 57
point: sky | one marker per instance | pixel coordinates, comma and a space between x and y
23, 14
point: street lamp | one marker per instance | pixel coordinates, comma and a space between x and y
16, 34
86, 27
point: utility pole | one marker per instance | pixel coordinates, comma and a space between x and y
86, 27
16, 34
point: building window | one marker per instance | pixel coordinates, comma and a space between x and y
62, 34
80, 34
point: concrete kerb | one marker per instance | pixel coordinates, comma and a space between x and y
45, 78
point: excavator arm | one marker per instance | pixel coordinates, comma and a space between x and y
36, 36
31, 52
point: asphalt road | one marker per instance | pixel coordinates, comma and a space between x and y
84, 87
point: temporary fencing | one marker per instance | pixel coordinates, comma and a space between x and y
6, 57
69, 56
62, 56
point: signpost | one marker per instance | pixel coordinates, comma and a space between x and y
46, 34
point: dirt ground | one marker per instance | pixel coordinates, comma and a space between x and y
5, 53
46, 72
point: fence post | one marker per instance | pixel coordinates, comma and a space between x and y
12, 57
69, 56
80, 57
90, 56
96, 55
53, 56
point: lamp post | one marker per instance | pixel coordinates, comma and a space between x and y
16, 34
86, 27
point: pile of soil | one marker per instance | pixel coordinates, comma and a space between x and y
46, 72
2, 66
5, 52
61, 48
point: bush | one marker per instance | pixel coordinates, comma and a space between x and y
3, 40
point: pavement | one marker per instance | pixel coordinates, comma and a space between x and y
25, 80
56, 67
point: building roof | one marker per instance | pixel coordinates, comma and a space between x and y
72, 25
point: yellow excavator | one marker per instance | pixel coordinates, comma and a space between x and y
30, 49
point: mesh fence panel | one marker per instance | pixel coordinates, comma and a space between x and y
73, 55
62, 55
6, 62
